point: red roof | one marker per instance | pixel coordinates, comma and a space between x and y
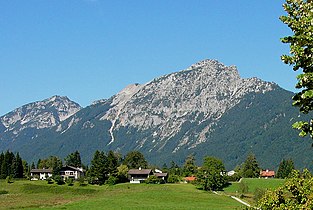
190, 178
267, 173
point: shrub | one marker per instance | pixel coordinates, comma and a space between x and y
2, 192
49, 180
70, 182
81, 181
243, 188
258, 194
112, 180
154, 180
9, 179
58, 179
173, 179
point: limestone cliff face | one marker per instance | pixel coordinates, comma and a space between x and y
39, 115
201, 93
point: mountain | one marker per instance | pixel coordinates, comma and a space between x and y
206, 109
29, 120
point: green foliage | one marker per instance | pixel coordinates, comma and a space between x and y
154, 180
297, 193
243, 188
9, 179
73, 159
3, 192
112, 180
172, 178
250, 168
258, 194
299, 19
135, 159
189, 167
58, 179
49, 180
210, 176
69, 181
285, 168
98, 170
81, 181
175, 169
122, 173
112, 163
52, 162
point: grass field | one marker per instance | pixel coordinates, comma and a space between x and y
253, 184
40, 195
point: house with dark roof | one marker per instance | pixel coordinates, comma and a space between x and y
163, 176
139, 175
40, 174
267, 174
71, 172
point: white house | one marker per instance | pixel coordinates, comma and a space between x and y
40, 174
139, 175
71, 172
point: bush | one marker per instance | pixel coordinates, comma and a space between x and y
258, 194
243, 188
234, 178
2, 192
9, 179
173, 179
154, 180
92, 180
49, 180
81, 181
58, 179
70, 182
112, 180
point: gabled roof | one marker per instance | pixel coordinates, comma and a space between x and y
66, 167
139, 171
267, 173
41, 170
160, 174
190, 178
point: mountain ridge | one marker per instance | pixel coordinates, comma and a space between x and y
199, 110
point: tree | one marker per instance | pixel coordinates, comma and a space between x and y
98, 169
6, 166
112, 163
210, 176
17, 166
174, 169
52, 162
135, 159
299, 19
73, 159
285, 168
250, 168
122, 173
189, 167
296, 193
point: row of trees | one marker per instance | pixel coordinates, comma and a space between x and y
11, 165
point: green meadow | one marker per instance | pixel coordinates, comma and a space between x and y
40, 195
253, 184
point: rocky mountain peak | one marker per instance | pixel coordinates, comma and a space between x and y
40, 114
205, 90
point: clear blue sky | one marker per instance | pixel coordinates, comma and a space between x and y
91, 49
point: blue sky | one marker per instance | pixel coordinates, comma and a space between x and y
91, 49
